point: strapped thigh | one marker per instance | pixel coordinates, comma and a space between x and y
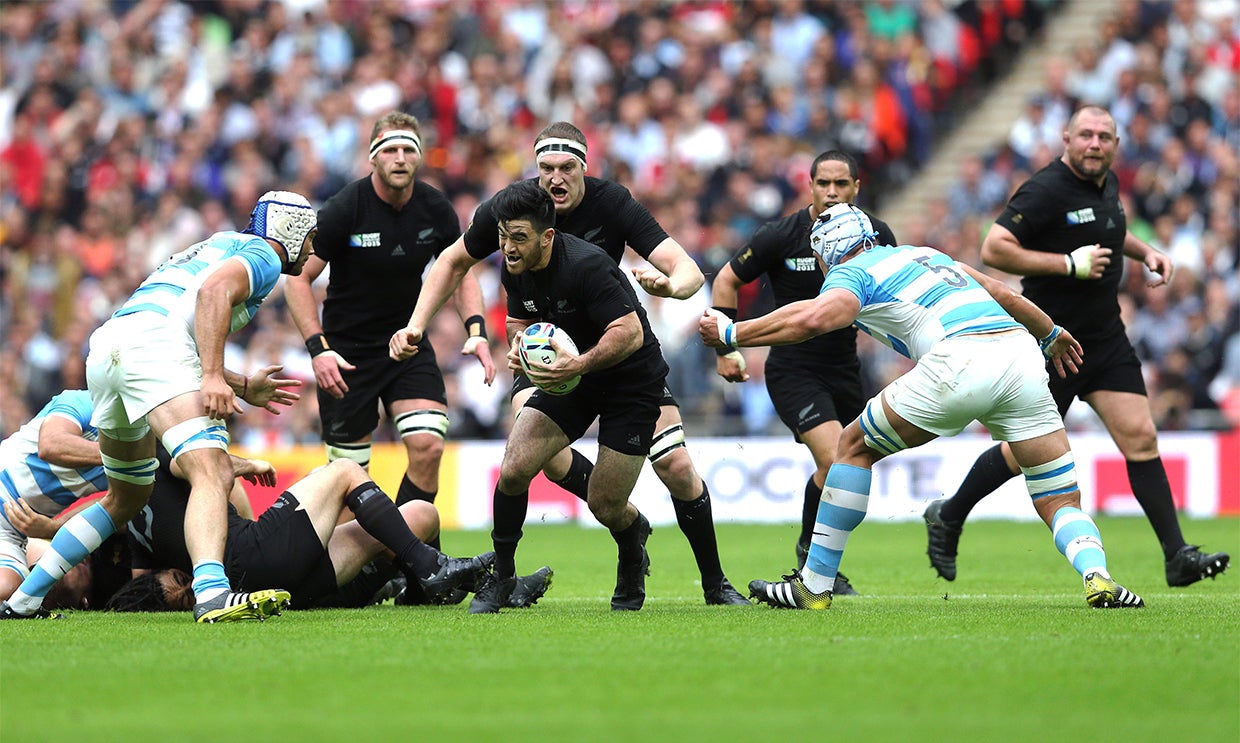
667, 441
879, 433
1056, 477
424, 420
359, 452
196, 433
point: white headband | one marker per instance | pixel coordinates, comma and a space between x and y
555, 144
395, 138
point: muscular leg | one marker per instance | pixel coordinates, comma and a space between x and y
690, 496
568, 468
822, 441
1127, 418
203, 456
534, 439
423, 427
846, 495
351, 548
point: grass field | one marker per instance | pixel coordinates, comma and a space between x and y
1008, 652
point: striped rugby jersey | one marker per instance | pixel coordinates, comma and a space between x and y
172, 289
913, 297
49, 488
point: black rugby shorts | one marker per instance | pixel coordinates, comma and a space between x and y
1110, 365
806, 397
377, 379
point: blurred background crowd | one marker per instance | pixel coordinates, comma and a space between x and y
130, 129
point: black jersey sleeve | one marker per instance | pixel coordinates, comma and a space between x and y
335, 223
1028, 213
482, 234
642, 231
764, 249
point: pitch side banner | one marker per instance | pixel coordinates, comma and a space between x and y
763, 479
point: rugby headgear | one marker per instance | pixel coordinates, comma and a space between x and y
838, 231
285, 217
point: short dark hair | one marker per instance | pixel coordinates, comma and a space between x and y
837, 155
561, 130
524, 200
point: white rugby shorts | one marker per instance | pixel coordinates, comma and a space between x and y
137, 362
13, 549
997, 379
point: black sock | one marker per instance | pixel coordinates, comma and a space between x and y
379, 517
628, 542
410, 492
809, 512
577, 481
1149, 484
509, 518
988, 473
698, 524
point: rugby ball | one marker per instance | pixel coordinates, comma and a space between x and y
534, 346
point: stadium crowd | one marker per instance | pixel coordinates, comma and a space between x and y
129, 129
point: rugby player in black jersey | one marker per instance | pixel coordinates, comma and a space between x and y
816, 385
379, 233
561, 279
1064, 230
297, 540
605, 214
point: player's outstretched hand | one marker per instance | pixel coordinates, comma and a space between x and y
478, 346
266, 391
327, 366
404, 343
653, 282
1065, 354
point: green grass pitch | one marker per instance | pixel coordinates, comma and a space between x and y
1009, 651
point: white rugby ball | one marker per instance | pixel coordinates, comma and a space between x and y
534, 345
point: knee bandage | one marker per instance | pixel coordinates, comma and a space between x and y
359, 453
434, 422
138, 471
667, 441
879, 433
196, 433
1056, 477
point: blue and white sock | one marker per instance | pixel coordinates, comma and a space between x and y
72, 543
209, 580
1077, 538
845, 499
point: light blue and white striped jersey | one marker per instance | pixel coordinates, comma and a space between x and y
49, 488
913, 297
172, 289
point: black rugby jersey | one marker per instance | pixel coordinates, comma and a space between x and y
582, 291
1057, 212
780, 249
608, 216
157, 533
377, 256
